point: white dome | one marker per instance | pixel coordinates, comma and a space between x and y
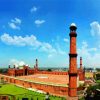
21, 63
73, 24
26, 65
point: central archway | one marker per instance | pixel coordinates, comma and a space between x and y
26, 71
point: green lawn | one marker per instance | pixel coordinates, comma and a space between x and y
19, 93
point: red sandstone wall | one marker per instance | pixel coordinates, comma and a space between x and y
31, 71
11, 72
57, 90
18, 72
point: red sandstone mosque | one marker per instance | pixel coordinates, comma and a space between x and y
25, 70
55, 82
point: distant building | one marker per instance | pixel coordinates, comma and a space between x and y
24, 70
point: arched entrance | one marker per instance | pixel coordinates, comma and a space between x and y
26, 71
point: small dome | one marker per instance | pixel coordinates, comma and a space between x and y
73, 24
73, 27
26, 65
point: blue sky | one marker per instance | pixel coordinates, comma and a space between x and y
31, 29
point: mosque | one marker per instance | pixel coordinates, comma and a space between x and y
54, 82
22, 71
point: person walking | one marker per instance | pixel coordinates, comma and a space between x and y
47, 96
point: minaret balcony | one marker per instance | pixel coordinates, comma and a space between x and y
73, 73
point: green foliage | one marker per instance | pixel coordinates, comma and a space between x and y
3, 70
98, 81
93, 89
49, 70
97, 69
97, 76
82, 98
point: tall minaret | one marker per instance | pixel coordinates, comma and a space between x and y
36, 64
81, 63
9, 66
81, 72
73, 62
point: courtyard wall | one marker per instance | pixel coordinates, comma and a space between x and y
58, 90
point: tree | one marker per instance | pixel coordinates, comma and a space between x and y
97, 69
97, 76
49, 70
93, 93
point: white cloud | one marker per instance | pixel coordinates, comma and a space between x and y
47, 48
39, 22
59, 50
95, 28
16, 62
50, 56
66, 40
20, 41
16, 20
52, 51
13, 26
84, 44
32, 42
93, 49
15, 23
90, 56
33, 9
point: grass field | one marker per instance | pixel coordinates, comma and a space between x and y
19, 93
